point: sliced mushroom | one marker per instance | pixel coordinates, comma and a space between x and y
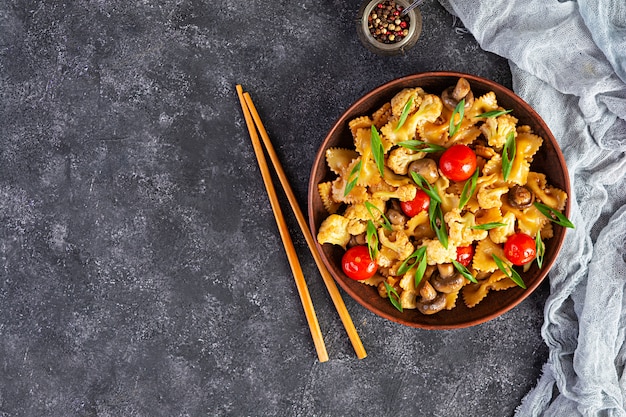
445, 270
427, 292
396, 216
358, 240
447, 284
427, 168
521, 197
461, 90
451, 96
433, 306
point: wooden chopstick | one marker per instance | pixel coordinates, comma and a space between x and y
328, 279
296, 269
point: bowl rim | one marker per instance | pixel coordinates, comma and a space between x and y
399, 83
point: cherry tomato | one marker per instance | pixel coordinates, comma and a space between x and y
357, 264
520, 249
420, 203
464, 255
458, 162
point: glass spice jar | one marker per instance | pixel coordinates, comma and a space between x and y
383, 30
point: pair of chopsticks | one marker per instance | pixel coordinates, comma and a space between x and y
254, 124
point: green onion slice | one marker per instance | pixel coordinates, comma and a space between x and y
460, 110
468, 190
464, 271
437, 222
488, 226
509, 271
429, 189
393, 296
494, 113
540, 248
420, 260
353, 178
508, 155
554, 215
377, 150
386, 223
372, 239
405, 113
421, 146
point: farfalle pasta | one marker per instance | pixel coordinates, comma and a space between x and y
396, 157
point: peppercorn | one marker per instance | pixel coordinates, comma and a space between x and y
386, 24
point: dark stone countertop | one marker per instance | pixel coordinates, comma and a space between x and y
141, 270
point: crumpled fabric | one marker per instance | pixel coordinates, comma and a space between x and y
568, 61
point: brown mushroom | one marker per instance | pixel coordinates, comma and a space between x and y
447, 282
358, 240
396, 216
451, 96
433, 306
521, 197
427, 292
426, 167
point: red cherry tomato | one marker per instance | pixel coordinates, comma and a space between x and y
464, 255
420, 203
458, 162
520, 249
357, 264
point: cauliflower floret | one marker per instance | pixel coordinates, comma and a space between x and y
386, 257
400, 158
408, 296
429, 110
483, 104
397, 241
405, 192
490, 197
334, 229
358, 215
359, 211
399, 100
501, 234
437, 254
460, 232
496, 129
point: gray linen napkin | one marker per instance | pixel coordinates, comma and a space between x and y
568, 60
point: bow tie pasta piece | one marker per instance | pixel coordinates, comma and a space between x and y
548, 195
325, 191
483, 260
527, 144
529, 220
483, 104
362, 122
338, 159
358, 194
382, 116
475, 293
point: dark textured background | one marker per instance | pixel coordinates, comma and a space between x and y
141, 271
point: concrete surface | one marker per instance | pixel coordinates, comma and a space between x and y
141, 271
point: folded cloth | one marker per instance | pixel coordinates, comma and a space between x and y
568, 61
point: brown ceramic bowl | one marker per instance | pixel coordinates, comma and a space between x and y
549, 160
